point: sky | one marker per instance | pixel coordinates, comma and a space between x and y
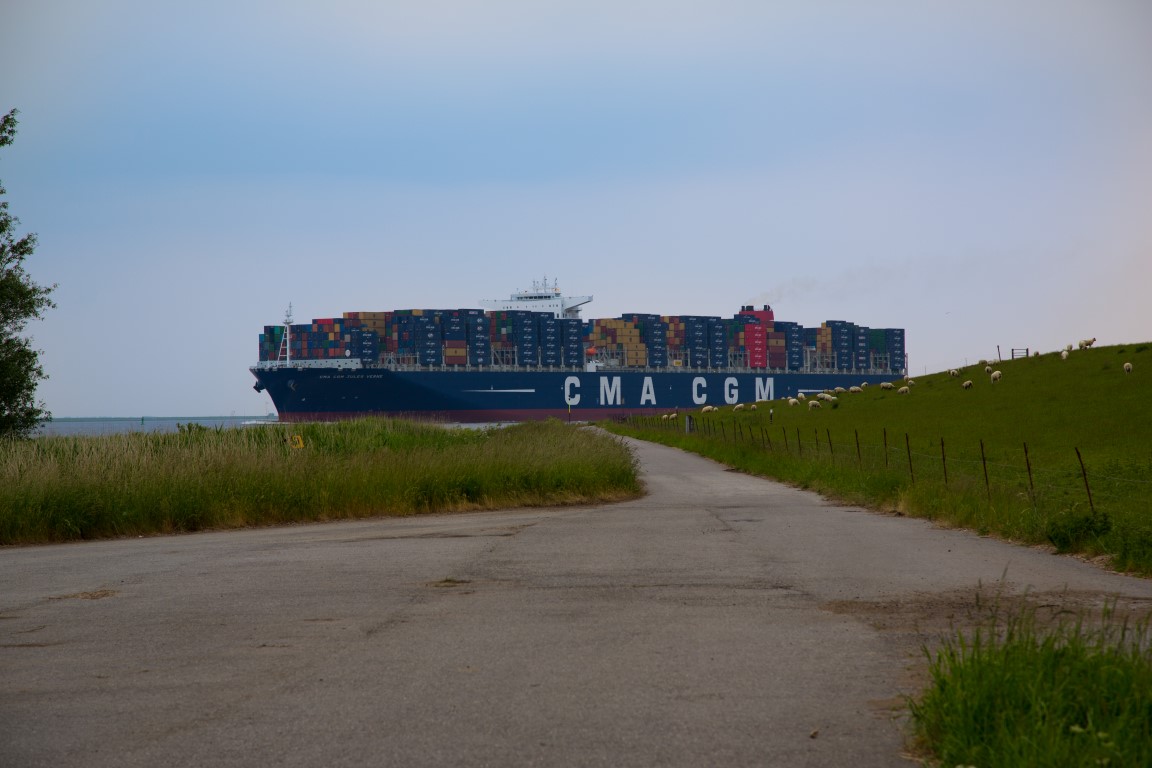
978, 172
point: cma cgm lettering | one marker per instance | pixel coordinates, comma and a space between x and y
533, 357
610, 390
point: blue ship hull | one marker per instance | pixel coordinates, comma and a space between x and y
477, 396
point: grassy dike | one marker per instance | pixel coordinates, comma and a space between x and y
1058, 452
63, 488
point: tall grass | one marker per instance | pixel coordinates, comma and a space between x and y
61, 488
999, 458
1017, 693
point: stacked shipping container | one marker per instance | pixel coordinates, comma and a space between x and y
461, 337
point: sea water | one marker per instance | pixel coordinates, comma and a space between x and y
109, 426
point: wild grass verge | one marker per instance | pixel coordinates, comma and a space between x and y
63, 488
1020, 692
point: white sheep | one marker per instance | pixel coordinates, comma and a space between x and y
1068, 348
1085, 343
1127, 367
987, 369
863, 385
738, 407
911, 383
708, 409
996, 376
855, 390
813, 404
832, 399
887, 385
967, 384
800, 396
840, 390
953, 372
903, 391
1064, 355
752, 407
793, 401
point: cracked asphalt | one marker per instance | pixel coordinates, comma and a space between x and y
721, 620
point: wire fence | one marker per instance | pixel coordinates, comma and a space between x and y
1046, 484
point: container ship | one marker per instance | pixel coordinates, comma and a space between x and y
532, 356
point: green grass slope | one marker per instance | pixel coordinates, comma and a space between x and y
999, 457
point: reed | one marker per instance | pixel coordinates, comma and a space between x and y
62, 488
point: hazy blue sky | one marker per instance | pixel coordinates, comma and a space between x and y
977, 172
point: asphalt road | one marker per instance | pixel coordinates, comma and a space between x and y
721, 620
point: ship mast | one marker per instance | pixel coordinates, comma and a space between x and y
286, 344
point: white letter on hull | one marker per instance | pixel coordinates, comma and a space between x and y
648, 394
731, 391
609, 392
699, 397
570, 397
765, 389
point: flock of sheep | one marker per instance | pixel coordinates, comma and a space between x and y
830, 396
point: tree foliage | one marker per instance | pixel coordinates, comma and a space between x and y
21, 300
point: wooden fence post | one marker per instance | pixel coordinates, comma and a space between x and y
1028, 463
944, 461
859, 459
984, 461
1084, 472
908, 445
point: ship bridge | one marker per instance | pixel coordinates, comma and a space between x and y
541, 298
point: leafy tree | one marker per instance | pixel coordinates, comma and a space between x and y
20, 300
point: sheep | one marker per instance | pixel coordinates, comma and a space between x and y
967, 384
887, 385
903, 391
823, 396
1085, 343
738, 407
855, 390
752, 407
1064, 355
800, 396
996, 376
987, 369
813, 404
708, 409
863, 385
840, 390
1127, 367
831, 399
911, 383
954, 373
1068, 348
793, 401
